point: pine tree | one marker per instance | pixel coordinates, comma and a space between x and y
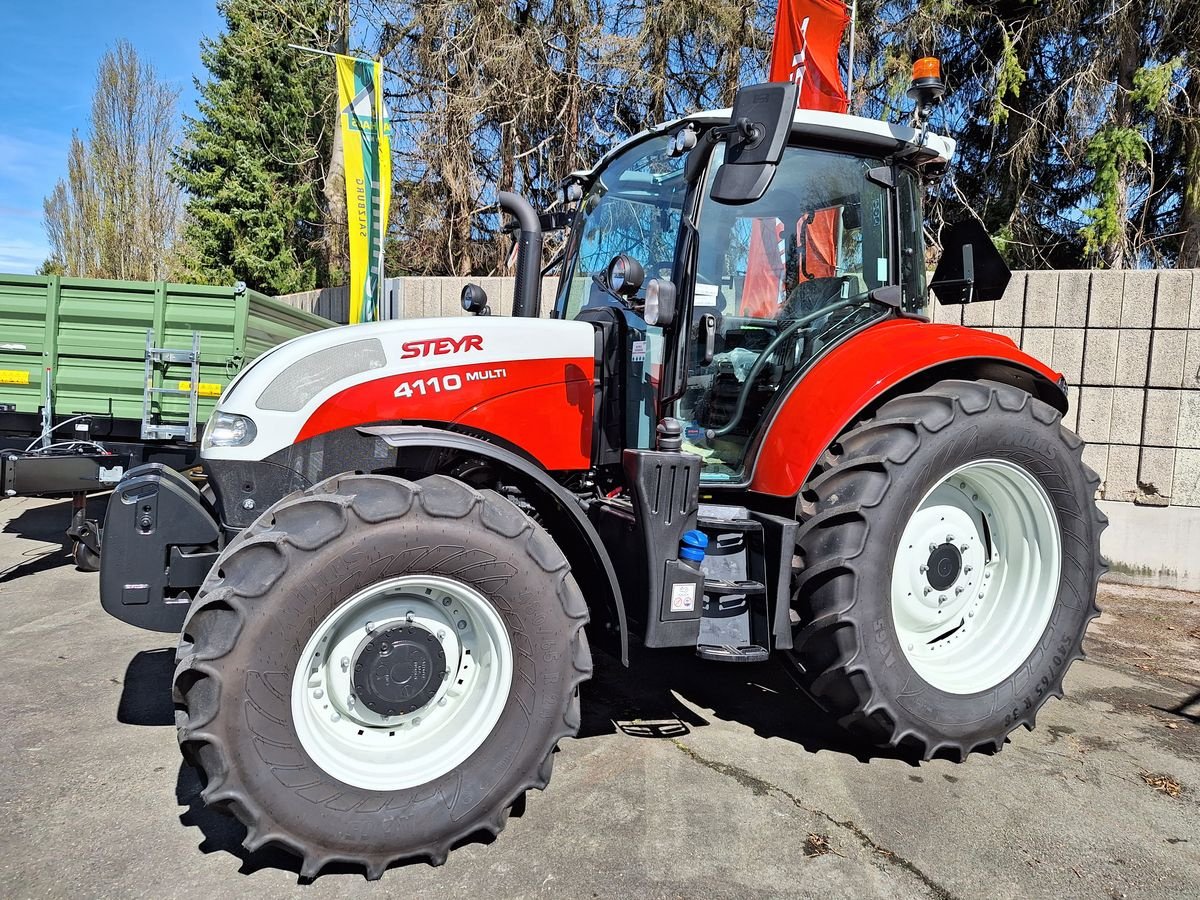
255, 158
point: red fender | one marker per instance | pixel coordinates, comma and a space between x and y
852, 375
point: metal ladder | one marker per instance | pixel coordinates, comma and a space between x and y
152, 430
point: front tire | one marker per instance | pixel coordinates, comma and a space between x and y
950, 569
380, 669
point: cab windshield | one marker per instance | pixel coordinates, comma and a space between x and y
633, 207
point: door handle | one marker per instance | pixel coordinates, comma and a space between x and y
708, 333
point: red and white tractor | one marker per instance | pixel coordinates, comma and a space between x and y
738, 432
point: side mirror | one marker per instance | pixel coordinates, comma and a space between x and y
971, 268
759, 129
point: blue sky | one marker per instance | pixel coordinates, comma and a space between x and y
47, 70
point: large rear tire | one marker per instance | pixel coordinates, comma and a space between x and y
950, 569
379, 669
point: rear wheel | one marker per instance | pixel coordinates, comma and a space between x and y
379, 669
950, 568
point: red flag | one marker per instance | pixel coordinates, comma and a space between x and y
808, 34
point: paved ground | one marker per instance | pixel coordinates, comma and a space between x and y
689, 780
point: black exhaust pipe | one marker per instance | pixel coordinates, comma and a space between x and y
527, 295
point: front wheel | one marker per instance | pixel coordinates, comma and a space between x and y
379, 669
950, 568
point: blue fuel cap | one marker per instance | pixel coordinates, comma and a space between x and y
692, 545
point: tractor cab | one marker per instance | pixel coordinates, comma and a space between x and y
730, 256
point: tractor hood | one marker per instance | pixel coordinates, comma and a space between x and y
527, 383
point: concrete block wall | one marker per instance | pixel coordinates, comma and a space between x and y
1128, 344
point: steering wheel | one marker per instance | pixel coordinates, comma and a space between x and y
759, 364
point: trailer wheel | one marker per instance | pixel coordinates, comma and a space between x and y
950, 569
381, 669
85, 558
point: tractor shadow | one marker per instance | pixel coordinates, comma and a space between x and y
647, 700
644, 701
47, 525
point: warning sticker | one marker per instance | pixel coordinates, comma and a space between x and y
683, 597
205, 389
639, 351
14, 376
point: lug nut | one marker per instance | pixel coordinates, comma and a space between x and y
335, 717
370, 627
949, 539
959, 589
928, 590
932, 547
318, 694
941, 598
967, 569
345, 663
445, 601
441, 635
247, 503
408, 617
963, 547
924, 568
462, 624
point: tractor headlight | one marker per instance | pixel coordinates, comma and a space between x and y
660, 303
228, 430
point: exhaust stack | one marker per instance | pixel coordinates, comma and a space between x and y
527, 294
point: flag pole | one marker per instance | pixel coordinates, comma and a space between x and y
378, 65
850, 60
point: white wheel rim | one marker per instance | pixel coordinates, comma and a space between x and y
368, 750
970, 634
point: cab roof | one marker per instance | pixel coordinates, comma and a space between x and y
818, 125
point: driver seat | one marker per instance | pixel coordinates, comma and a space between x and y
809, 296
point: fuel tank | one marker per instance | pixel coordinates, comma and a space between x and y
528, 382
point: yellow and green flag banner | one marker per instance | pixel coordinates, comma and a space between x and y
367, 151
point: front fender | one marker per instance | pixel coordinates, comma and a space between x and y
558, 508
857, 373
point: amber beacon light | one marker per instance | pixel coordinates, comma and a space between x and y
927, 86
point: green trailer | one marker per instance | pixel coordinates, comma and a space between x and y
97, 376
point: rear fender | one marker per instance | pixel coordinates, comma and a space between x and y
894, 356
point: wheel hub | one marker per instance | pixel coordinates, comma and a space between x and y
399, 669
976, 575
402, 681
944, 565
